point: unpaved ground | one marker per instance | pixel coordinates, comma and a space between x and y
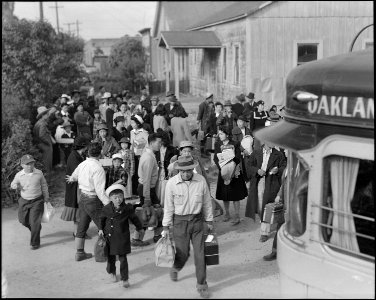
52, 272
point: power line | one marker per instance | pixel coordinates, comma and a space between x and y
41, 10
57, 15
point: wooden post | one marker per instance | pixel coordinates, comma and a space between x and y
176, 72
167, 68
248, 51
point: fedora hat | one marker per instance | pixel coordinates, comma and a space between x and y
185, 163
184, 144
169, 93
42, 110
208, 95
102, 126
227, 103
251, 95
114, 187
241, 97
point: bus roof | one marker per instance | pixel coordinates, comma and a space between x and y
342, 101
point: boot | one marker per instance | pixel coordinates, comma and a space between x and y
271, 256
80, 244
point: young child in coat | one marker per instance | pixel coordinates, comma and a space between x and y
128, 159
116, 173
114, 226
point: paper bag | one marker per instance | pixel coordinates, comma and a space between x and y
164, 253
48, 212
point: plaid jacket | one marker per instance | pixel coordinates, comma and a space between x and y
113, 175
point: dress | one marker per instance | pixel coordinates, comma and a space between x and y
237, 189
70, 212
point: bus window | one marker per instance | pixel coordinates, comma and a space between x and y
348, 216
298, 192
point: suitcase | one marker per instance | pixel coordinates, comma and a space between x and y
273, 213
211, 251
138, 212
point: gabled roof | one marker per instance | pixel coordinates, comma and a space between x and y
181, 15
189, 39
238, 10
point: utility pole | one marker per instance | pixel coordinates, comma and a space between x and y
69, 24
77, 26
41, 10
57, 15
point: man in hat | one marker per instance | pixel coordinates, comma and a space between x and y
187, 208
257, 121
170, 106
34, 189
43, 138
204, 114
250, 105
91, 179
110, 115
104, 105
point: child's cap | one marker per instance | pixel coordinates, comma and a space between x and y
117, 156
26, 159
125, 140
114, 187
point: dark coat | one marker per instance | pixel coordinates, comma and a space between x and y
237, 136
115, 226
238, 109
272, 182
73, 161
203, 115
170, 111
109, 120
170, 152
237, 189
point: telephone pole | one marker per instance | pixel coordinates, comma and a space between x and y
69, 24
41, 10
77, 26
57, 15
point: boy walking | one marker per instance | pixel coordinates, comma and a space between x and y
114, 225
34, 191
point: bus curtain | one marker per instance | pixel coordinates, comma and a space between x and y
343, 175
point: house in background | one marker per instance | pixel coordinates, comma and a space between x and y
260, 42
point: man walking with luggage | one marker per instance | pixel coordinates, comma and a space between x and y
187, 207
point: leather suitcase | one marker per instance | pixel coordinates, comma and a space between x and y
273, 212
211, 251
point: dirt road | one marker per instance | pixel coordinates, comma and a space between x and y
51, 271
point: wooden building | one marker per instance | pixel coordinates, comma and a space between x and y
262, 41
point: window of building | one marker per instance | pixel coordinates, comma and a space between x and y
306, 51
348, 216
224, 68
236, 64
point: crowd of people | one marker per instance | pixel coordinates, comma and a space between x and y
118, 149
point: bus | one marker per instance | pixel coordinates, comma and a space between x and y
326, 247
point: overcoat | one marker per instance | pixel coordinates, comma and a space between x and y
237, 136
272, 182
73, 161
115, 226
237, 189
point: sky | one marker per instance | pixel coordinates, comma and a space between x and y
97, 19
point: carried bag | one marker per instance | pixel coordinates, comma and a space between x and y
273, 213
48, 213
164, 252
211, 249
100, 250
267, 228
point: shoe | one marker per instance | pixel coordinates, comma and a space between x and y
204, 293
173, 275
125, 284
139, 243
156, 238
112, 277
83, 255
87, 237
271, 256
263, 238
35, 247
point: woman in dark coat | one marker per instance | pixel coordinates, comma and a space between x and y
236, 190
70, 212
114, 225
169, 152
272, 181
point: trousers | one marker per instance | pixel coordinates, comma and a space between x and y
184, 231
111, 266
47, 154
89, 209
30, 214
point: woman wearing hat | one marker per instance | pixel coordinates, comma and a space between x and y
70, 212
124, 112
228, 117
83, 121
139, 139
236, 190
109, 144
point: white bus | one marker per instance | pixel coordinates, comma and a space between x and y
326, 248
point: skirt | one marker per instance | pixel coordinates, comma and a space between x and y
70, 214
235, 191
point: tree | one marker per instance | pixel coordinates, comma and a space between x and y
128, 59
39, 64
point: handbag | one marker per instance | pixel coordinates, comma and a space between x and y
100, 250
48, 213
164, 252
